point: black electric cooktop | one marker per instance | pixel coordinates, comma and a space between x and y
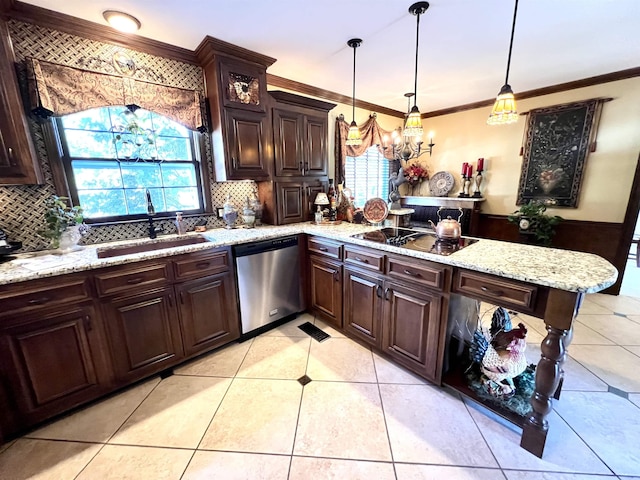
415, 240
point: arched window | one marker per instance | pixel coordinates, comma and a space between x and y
112, 155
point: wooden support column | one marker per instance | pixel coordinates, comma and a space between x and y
561, 309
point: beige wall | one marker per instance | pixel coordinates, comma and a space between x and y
606, 184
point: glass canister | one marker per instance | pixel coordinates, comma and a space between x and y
256, 206
248, 214
229, 213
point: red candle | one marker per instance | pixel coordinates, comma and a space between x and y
480, 164
469, 171
464, 168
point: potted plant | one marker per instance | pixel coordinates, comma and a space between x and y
532, 220
63, 224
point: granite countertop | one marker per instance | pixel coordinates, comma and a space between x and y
562, 269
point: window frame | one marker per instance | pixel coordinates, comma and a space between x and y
383, 183
64, 180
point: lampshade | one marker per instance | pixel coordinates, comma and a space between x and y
321, 199
122, 21
413, 125
504, 109
354, 137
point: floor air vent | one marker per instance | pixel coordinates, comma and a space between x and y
313, 331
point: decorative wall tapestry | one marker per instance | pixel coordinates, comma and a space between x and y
557, 143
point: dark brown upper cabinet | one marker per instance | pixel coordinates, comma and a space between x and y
236, 84
18, 160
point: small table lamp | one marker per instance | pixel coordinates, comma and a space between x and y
321, 200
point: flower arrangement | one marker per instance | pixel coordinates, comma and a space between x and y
59, 217
415, 174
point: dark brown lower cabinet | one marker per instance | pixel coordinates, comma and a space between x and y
144, 335
411, 327
362, 305
208, 313
52, 361
326, 289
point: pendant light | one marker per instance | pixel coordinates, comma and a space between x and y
413, 124
504, 109
353, 137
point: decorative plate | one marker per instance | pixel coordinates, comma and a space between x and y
375, 210
441, 184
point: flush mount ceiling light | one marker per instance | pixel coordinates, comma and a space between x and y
353, 137
504, 109
122, 21
413, 124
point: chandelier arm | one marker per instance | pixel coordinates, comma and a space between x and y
513, 29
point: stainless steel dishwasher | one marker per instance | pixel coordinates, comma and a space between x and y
268, 283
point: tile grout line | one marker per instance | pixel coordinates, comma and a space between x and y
384, 415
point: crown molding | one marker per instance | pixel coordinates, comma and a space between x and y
210, 47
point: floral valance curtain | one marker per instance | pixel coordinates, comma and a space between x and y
60, 90
372, 134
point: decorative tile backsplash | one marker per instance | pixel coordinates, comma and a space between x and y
22, 206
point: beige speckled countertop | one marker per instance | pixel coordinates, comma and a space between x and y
562, 269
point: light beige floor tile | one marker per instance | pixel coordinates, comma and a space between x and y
389, 372
576, 377
6, 445
256, 416
635, 399
98, 422
617, 329
534, 325
634, 318
276, 357
45, 459
342, 420
618, 304
237, 466
176, 414
584, 334
437, 472
589, 307
221, 363
326, 328
633, 349
591, 415
290, 329
422, 429
340, 359
612, 364
119, 462
520, 475
307, 468
564, 450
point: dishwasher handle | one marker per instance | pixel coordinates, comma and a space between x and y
255, 248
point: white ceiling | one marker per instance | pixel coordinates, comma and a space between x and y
463, 43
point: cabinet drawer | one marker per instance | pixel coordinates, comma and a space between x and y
417, 271
324, 247
48, 292
500, 291
364, 258
201, 264
124, 279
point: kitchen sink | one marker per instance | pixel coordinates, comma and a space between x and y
108, 252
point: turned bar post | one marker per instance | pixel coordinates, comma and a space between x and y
561, 309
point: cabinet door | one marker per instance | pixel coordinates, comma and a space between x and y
316, 146
412, 328
326, 289
290, 199
55, 361
244, 138
144, 334
18, 160
208, 312
362, 297
287, 143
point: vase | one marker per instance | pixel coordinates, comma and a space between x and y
69, 239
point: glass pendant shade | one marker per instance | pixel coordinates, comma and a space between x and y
413, 125
353, 137
504, 109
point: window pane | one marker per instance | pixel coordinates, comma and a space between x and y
102, 203
367, 176
83, 144
174, 148
179, 175
168, 128
94, 174
137, 201
96, 119
157, 198
122, 116
182, 198
141, 175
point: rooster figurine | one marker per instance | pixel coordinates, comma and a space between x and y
500, 354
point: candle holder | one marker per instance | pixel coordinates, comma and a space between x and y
476, 190
464, 183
